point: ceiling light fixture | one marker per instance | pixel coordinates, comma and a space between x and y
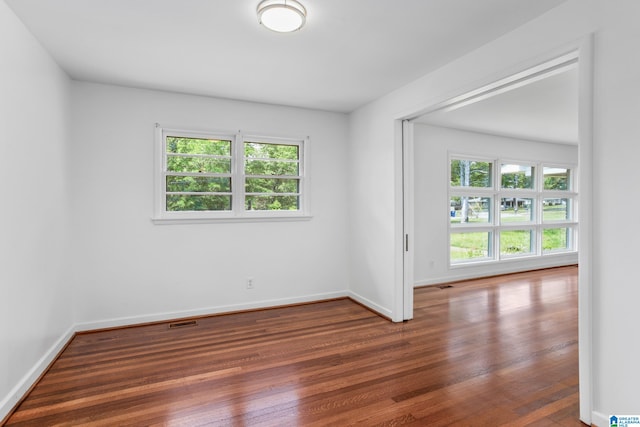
283, 16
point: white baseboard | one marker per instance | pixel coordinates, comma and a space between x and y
27, 381
485, 270
207, 311
599, 420
370, 304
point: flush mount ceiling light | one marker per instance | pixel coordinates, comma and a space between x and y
283, 16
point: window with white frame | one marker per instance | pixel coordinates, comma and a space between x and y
501, 209
206, 175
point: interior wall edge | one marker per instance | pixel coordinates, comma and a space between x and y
23, 387
598, 419
383, 311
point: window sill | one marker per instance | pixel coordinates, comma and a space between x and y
211, 220
537, 260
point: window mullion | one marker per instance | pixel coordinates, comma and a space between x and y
161, 164
199, 174
237, 180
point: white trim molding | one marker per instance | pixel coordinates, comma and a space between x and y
206, 311
231, 153
599, 420
384, 312
9, 402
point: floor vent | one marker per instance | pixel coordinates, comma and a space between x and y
445, 286
184, 324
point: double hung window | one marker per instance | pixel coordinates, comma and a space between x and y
202, 176
502, 209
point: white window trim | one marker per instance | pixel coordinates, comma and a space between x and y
494, 226
237, 212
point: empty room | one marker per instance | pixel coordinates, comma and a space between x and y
364, 213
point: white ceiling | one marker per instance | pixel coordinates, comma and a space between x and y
543, 110
349, 53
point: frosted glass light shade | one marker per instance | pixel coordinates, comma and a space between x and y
283, 16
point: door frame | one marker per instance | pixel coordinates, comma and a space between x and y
408, 218
582, 51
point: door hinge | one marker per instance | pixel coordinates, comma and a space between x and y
406, 243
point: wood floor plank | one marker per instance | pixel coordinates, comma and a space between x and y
486, 352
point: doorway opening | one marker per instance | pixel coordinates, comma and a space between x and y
493, 112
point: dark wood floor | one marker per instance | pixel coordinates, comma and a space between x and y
489, 352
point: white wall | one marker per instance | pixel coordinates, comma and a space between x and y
433, 144
616, 284
36, 307
127, 269
376, 268
373, 202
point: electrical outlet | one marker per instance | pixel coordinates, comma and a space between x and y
250, 283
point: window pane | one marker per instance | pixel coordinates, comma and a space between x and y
260, 150
470, 173
198, 164
199, 184
276, 160
469, 246
271, 167
516, 176
272, 185
556, 178
187, 202
182, 145
515, 242
469, 210
272, 203
516, 209
555, 239
555, 210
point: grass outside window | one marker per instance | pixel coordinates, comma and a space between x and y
470, 246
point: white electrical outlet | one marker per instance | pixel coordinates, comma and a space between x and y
250, 283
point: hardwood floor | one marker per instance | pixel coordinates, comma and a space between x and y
488, 352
